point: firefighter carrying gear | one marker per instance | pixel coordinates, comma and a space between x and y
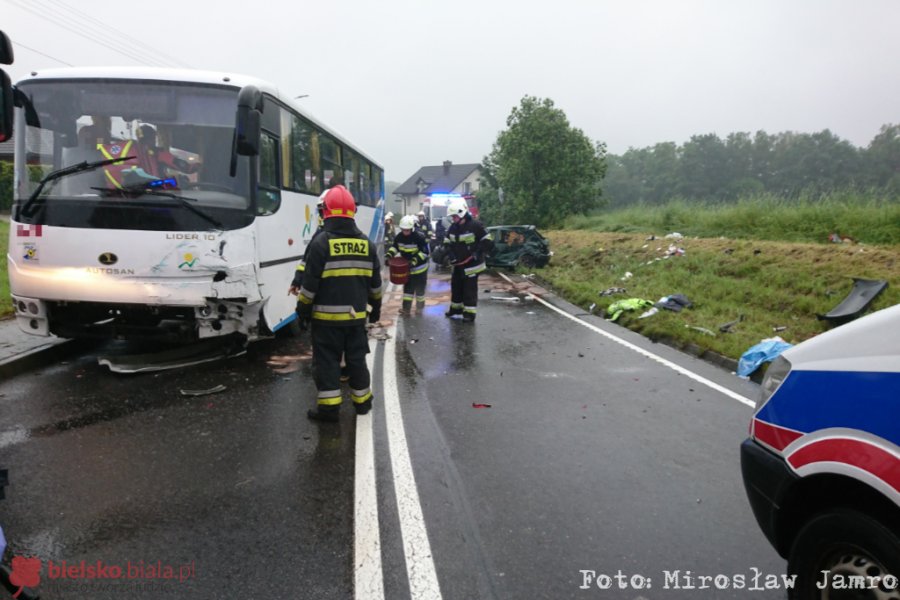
467, 243
342, 276
413, 247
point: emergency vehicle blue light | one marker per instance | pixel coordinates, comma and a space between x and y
163, 183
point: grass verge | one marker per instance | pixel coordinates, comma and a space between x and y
771, 285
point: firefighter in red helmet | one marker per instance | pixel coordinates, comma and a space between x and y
342, 276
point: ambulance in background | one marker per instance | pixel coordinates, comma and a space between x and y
821, 467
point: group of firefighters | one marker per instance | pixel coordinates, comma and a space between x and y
339, 288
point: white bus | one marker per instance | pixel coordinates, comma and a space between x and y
169, 205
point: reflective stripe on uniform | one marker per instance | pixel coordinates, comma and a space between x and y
465, 238
418, 269
347, 268
470, 309
329, 398
336, 313
474, 270
456, 305
306, 296
360, 396
375, 293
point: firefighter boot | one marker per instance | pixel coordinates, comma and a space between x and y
363, 408
469, 317
420, 305
323, 415
407, 306
454, 310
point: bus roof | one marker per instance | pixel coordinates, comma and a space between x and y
220, 78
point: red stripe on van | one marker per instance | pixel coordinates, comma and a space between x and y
858, 453
773, 435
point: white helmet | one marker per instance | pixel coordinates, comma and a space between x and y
421, 213
457, 207
390, 216
407, 222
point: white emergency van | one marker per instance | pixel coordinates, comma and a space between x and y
822, 464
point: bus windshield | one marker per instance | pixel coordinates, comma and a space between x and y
166, 149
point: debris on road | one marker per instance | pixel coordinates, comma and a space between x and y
212, 390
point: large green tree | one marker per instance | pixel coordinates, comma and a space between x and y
541, 169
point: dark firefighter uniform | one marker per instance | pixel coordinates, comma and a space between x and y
467, 243
414, 248
342, 276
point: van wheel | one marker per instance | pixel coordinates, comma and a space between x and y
841, 544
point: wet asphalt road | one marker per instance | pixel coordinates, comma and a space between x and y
590, 457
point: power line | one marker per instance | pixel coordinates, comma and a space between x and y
43, 54
124, 52
86, 18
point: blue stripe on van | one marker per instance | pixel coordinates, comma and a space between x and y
811, 400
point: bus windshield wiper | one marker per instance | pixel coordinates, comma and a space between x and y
70, 170
186, 202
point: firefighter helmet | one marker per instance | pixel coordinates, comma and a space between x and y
407, 222
457, 207
339, 203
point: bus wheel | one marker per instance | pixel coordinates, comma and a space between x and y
840, 548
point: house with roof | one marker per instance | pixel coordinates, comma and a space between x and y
429, 185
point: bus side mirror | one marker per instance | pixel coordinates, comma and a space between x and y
247, 125
6, 90
6, 107
247, 131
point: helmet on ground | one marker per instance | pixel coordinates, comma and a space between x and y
407, 222
339, 203
457, 208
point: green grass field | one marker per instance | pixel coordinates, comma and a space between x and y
768, 284
767, 260
866, 218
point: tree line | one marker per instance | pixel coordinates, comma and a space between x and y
787, 165
542, 170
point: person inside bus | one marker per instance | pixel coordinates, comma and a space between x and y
154, 159
97, 133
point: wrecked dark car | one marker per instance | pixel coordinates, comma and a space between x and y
518, 245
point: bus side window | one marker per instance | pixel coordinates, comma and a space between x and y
304, 156
331, 158
351, 171
269, 195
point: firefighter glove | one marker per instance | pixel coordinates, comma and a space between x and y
304, 314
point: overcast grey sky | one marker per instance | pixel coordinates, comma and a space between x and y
417, 82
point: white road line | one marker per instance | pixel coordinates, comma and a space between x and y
368, 583
423, 582
650, 355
